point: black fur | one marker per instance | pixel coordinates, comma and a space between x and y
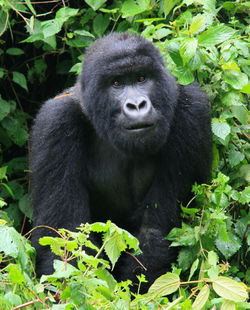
86, 167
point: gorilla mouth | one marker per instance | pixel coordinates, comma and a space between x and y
140, 127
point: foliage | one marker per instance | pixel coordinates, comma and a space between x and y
41, 49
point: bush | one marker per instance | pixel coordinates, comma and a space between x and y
41, 50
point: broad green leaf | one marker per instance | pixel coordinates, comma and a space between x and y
235, 157
235, 78
12, 299
14, 51
4, 108
65, 13
185, 75
131, 8
165, 284
161, 33
246, 89
245, 195
230, 289
197, 24
173, 49
231, 66
212, 258
183, 236
241, 113
3, 171
201, 298
188, 48
25, 206
15, 274
168, 5
62, 271
230, 247
20, 79
220, 128
15, 130
100, 24
215, 35
95, 4
228, 305
63, 307
51, 27
113, 247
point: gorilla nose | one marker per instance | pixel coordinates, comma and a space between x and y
137, 108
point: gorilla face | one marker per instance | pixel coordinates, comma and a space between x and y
127, 94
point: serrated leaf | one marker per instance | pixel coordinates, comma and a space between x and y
65, 13
20, 79
95, 4
230, 247
241, 113
185, 75
230, 289
14, 51
220, 128
165, 284
173, 49
188, 48
168, 5
51, 27
113, 247
215, 35
228, 305
201, 298
197, 24
100, 24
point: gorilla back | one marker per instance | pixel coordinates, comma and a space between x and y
125, 143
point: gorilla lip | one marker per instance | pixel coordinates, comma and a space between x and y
140, 127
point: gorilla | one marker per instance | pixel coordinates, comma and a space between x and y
125, 143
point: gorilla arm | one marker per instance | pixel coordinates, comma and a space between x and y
58, 192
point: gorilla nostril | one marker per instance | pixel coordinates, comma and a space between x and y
143, 104
131, 106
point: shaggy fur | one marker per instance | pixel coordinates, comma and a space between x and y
85, 168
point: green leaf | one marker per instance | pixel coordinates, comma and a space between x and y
228, 305
95, 4
4, 108
65, 13
15, 274
20, 79
235, 78
184, 236
100, 24
220, 128
168, 5
215, 35
3, 171
241, 113
229, 248
246, 89
62, 271
4, 17
185, 75
197, 24
51, 27
133, 7
245, 195
193, 268
165, 284
25, 206
235, 157
14, 51
113, 247
201, 298
84, 33
230, 289
173, 49
188, 48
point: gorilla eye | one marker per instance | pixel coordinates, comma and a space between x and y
117, 83
141, 79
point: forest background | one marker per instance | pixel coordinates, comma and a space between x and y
42, 44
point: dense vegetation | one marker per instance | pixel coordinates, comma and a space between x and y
41, 48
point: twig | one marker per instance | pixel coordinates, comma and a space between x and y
29, 303
137, 260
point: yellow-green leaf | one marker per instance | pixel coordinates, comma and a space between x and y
230, 289
201, 298
165, 285
228, 305
197, 23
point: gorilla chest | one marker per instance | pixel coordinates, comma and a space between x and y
118, 183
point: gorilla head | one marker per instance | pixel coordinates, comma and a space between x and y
127, 93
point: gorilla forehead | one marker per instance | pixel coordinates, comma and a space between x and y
121, 53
